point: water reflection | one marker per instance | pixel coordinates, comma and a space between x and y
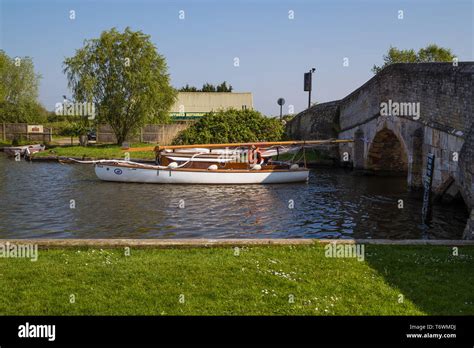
36, 201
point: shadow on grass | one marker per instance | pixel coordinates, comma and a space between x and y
434, 278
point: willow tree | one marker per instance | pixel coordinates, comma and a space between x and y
19, 90
125, 77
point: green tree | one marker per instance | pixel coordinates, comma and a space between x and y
223, 87
208, 87
74, 129
431, 53
434, 53
231, 126
188, 88
19, 90
126, 78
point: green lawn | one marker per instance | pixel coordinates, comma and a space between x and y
97, 152
393, 280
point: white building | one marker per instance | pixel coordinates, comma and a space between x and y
190, 105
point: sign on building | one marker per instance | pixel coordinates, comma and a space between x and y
35, 129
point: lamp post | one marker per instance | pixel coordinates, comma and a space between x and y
281, 102
308, 84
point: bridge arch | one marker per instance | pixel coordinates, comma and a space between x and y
387, 153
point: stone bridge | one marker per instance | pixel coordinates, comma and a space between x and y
400, 116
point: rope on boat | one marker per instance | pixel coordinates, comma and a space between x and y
149, 166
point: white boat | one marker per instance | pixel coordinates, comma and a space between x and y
216, 164
129, 172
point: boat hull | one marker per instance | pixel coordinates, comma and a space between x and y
23, 150
188, 176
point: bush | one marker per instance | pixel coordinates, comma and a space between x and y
231, 126
59, 128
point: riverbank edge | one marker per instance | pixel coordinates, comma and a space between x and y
206, 243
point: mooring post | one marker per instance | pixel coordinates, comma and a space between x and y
427, 184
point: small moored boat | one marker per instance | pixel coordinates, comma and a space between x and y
25, 150
136, 172
242, 163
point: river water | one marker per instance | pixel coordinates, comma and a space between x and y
50, 200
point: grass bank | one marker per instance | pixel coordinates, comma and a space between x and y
276, 280
107, 151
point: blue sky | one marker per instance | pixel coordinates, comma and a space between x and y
274, 51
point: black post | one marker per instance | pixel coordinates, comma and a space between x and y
281, 112
309, 98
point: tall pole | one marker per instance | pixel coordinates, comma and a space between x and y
309, 98
281, 112
310, 87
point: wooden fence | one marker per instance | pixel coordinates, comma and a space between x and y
9, 131
162, 134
